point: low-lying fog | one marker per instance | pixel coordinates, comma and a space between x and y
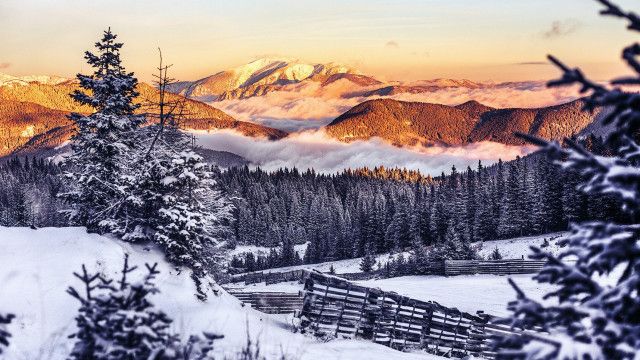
311, 106
313, 149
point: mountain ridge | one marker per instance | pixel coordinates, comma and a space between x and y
36, 108
413, 123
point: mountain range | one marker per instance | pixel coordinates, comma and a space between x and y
34, 109
267, 75
33, 114
411, 123
262, 76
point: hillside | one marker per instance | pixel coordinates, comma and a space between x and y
409, 123
553, 122
403, 123
33, 284
20, 121
36, 108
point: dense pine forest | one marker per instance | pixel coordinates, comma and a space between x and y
378, 210
29, 192
356, 212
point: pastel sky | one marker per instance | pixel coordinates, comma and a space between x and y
499, 40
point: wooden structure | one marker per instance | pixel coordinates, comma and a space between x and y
334, 307
270, 302
267, 277
495, 267
446, 268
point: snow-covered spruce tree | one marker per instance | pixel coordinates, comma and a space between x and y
368, 261
179, 204
5, 319
117, 321
104, 140
596, 309
454, 247
191, 213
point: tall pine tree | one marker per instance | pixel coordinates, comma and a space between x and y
104, 142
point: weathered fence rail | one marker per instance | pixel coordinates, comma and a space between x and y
267, 277
271, 302
336, 307
495, 267
446, 268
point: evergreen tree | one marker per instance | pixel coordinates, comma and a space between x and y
495, 254
595, 312
116, 320
512, 215
454, 247
104, 142
368, 261
5, 319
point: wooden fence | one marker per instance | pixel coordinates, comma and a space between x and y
267, 277
271, 302
446, 268
334, 307
495, 267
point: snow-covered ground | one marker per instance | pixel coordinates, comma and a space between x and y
264, 250
517, 248
36, 267
470, 293
340, 266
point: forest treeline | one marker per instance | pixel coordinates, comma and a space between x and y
347, 214
343, 215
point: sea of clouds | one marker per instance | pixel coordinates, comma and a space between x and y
310, 106
306, 108
313, 149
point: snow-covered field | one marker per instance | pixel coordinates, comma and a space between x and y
489, 293
264, 250
36, 267
340, 266
517, 248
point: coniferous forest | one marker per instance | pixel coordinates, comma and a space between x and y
346, 215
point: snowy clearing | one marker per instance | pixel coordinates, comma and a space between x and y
264, 250
36, 267
514, 248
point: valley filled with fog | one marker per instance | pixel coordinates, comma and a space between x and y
315, 150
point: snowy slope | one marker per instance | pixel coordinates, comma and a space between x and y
264, 250
517, 248
36, 267
340, 266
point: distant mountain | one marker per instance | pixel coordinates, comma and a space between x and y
553, 123
262, 76
20, 121
38, 109
404, 123
9, 80
409, 123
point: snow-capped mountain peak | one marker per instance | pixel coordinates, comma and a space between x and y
260, 75
7, 80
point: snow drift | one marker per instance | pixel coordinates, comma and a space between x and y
36, 267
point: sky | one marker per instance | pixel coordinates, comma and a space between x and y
481, 40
